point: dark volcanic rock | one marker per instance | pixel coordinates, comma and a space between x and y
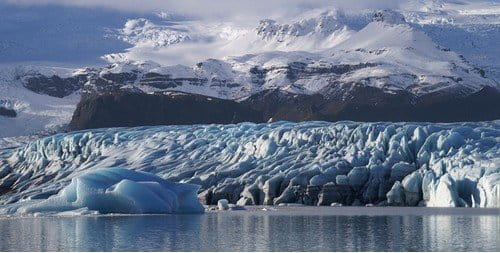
358, 104
137, 109
373, 104
278, 105
7, 112
329, 194
55, 86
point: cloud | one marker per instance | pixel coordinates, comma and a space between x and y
85, 22
231, 9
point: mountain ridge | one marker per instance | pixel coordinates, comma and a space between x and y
387, 55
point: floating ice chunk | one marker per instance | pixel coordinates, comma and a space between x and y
117, 190
223, 204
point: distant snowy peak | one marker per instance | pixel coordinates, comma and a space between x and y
407, 58
173, 39
326, 23
143, 32
387, 53
389, 16
312, 32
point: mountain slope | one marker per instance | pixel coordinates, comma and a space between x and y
388, 53
339, 65
36, 111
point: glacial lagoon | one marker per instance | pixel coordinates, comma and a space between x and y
262, 228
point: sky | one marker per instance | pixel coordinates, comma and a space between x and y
236, 9
76, 30
80, 32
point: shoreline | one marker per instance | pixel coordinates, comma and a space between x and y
297, 211
363, 210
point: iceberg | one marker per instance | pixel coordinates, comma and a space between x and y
118, 190
312, 163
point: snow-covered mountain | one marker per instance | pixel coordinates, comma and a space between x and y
425, 49
43, 103
308, 56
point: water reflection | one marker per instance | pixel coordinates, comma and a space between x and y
250, 231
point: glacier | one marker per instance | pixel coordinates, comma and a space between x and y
313, 163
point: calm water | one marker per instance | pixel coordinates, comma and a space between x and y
297, 229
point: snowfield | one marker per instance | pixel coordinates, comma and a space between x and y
316, 163
36, 113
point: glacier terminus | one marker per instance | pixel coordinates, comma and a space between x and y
311, 163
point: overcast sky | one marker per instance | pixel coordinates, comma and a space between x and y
238, 9
76, 30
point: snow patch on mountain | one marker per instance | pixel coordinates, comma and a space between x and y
36, 113
142, 32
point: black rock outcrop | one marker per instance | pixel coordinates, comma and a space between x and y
7, 112
359, 104
373, 104
138, 109
54, 86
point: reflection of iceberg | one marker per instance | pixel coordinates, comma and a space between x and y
116, 190
147, 232
441, 231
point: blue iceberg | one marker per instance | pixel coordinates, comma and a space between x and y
118, 190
